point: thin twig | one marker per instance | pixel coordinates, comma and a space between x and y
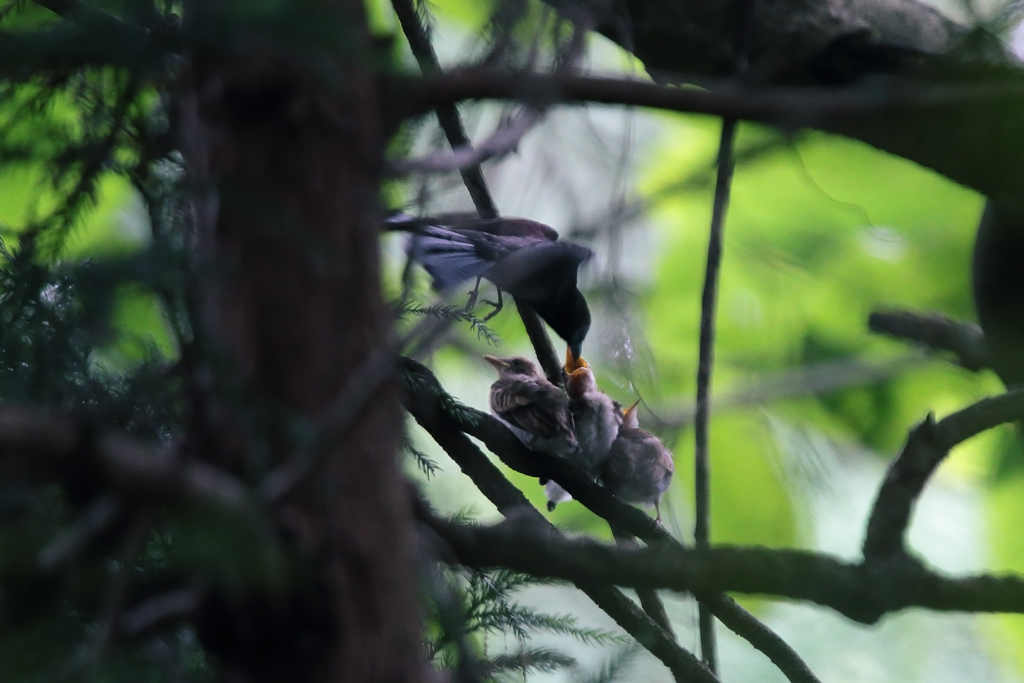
501, 142
447, 114
348, 403
708, 303
160, 609
807, 380
68, 545
708, 308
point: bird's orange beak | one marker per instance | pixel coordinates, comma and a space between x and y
572, 364
630, 410
498, 363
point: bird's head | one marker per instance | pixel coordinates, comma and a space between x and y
630, 419
579, 332
581, 381
516, 365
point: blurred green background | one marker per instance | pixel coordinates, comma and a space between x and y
810, 405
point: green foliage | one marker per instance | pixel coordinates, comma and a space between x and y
489, 607
452, 313
424, 462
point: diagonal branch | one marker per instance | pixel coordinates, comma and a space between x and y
926, 448
472, 175
511, 502
422, 385
936, 332
447, 114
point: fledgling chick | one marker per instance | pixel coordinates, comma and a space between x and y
534, 409
596, 420
639, 468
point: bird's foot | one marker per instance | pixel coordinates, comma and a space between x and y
473, 294
552, 505
497, 309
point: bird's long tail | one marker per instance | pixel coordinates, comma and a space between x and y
449, 256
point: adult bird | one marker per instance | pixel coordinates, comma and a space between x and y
520, 256
596, 419
639, 468
998, 280
533, 408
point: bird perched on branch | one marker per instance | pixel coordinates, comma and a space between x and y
520, 256
534, 409
639, 468
998, 279
596, 419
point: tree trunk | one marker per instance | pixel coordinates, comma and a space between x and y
284, 164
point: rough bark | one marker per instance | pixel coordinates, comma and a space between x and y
896, 46
285, 167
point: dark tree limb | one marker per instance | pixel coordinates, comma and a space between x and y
649, 599
936, 332
891, 44
926, 448
625, 518
857, 591
873, 109
511, 502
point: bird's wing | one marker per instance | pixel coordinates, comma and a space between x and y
531, 406
449, 256
540, 269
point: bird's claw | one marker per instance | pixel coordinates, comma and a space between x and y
497, 308
473, 294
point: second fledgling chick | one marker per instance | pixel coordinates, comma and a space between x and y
596, 419
534, 409
639, 468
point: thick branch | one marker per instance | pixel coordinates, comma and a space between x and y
865, 112
836, 41
854, 590
627, 519
511, 502
926, 448
936, 332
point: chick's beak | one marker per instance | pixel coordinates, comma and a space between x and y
573, 361
498, 363
632, 409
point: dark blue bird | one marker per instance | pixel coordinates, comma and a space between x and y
520, 256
